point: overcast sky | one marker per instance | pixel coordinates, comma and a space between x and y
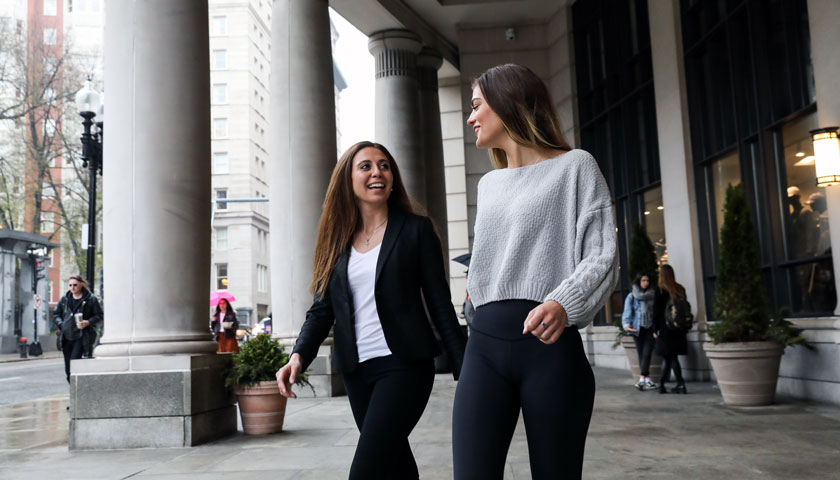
356, 64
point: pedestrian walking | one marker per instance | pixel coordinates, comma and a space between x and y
224, 325
637, 319
544, 262
671, 342
76, 317
375, 264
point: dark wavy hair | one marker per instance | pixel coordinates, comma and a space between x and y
341, 217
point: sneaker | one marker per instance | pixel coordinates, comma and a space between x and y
639, 386
649, 386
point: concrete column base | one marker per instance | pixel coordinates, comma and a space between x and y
325, 381
149, 401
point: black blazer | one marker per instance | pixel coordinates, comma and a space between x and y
410, 262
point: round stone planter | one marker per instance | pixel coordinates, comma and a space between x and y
633, 357
746, 371
261, 407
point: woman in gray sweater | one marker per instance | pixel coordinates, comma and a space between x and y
544, 262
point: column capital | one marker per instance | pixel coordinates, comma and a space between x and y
429, 61
395, 52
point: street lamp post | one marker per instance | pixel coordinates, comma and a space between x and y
89, 103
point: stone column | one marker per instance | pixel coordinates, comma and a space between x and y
397, 116
303, 155
823, 18
678, 192
428, 63
156, 380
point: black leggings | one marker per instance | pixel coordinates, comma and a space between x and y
72, 351
504, 371
387, 397
672, 363
644, 346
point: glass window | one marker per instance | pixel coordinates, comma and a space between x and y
807, 216
812, 287
220, 59
220, 93
655, 223
221, 238
221, 276
221, 194
724, 171
219, 25
220, 162
220, 127
50, 37
50, 8
47, 221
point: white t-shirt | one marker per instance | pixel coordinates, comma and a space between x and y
221, 319
361, 272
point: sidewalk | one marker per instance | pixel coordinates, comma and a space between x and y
633, 435
15, 357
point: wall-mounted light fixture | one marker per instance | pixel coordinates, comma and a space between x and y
827, 153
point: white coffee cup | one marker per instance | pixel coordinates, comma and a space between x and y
78, 319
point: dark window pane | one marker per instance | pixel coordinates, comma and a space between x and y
812, 287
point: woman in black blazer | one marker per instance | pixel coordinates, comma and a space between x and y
375, 264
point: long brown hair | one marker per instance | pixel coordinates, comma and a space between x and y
521, 100
341, 217
668, 281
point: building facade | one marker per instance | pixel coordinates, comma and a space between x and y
685, 97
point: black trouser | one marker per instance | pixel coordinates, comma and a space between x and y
72, 351
504, 371
387, 397
644, 346
669, 363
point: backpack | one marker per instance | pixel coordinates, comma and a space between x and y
678, 314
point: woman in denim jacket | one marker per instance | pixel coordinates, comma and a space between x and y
638, 320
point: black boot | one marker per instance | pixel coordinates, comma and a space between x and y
680, 388
662, 388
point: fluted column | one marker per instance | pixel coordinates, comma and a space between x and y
303, 152
156, 204
428, 62
397, 116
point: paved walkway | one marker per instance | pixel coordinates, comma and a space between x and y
633, 435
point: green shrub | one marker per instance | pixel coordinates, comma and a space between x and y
258, 360
740, 299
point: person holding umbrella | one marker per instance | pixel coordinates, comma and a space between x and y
224, 323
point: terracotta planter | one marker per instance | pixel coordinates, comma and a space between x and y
633, 357
262, 408
746, 371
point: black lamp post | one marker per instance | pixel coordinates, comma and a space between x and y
90, 104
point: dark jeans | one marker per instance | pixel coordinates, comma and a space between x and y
644, 346
672, 363
505, 371
387, 397
72, 351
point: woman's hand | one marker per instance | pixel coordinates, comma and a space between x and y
287, 375
546, 322
628, 328
83, 324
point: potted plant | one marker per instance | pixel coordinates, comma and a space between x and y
261, 405
747, 341
642, 259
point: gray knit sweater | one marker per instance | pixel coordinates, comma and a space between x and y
546, 232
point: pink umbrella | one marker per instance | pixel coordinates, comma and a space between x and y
216, 296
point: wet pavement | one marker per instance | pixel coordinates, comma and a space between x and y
633, 435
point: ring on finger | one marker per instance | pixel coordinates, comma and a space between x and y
543, 325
